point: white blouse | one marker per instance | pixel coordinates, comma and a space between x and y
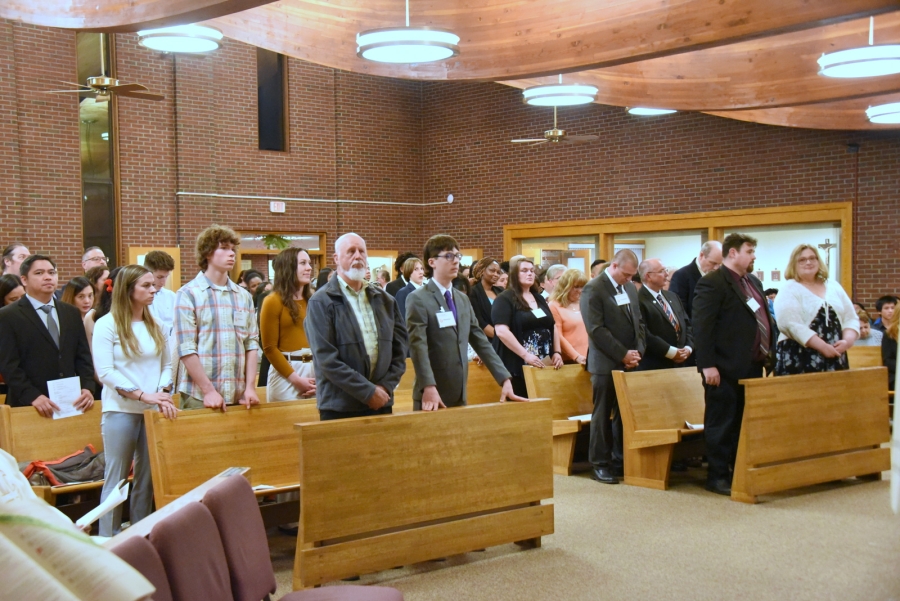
796, 307
150, 371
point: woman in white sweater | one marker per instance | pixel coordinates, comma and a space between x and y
816, 318
131, 358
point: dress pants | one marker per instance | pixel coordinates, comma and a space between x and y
722, 423
606, 434
326, 414
124, 441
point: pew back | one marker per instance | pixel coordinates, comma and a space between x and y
27, 436
810, 428
417, 486
569, 389
480, 387
202, 442
660, 399
864, 356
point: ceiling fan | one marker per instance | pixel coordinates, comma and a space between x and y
103, 87
556, 135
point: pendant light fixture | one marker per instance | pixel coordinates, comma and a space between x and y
407, 44
885, 113
643, 111
866, 61
192, 39
559, 94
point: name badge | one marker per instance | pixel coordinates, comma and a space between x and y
240, 319
445, 319
622, 299
754, 306
538, 312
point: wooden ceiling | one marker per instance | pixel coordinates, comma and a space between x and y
753, 60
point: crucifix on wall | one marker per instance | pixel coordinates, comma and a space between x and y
827, 248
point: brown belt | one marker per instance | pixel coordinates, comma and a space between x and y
301, 358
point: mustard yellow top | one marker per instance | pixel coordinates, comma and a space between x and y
279, 333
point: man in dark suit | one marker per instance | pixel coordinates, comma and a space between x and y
441, 325
669, 338
685, 279
394, 286
734, 336
612, 315
42, 339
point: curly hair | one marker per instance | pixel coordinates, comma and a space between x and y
210, 239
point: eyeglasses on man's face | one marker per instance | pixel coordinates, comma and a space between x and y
452, 256
97, 260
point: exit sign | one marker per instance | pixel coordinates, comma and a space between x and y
276, 206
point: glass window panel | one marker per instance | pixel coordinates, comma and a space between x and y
675, 248
575, 252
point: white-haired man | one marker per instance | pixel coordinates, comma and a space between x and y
357, 337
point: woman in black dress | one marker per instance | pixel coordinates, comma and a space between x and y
483, 294
525, 327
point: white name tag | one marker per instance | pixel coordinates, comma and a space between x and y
753, 304
622, 299
240, 319
538, 312
445, 319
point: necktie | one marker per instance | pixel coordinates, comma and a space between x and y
761, 321
669, 315
449, 298
51, 324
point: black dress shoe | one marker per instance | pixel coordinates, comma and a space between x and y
604, 475
618, 471
720, 487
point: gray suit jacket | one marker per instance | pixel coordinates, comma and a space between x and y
611, 331
440, 355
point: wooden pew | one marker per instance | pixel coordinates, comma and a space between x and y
418, 486
202, 442
571, 394
27, 436
864, 356
655, 406
811, 428
481, 387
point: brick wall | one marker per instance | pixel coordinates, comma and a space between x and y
358, 137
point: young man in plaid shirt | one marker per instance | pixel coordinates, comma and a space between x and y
216, 333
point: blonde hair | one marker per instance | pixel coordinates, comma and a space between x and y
571, 278
122, 313
893, 330
790, 272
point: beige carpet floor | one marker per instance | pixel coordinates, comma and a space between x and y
836, 541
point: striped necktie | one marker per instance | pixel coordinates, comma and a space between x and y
669, 315
762, 321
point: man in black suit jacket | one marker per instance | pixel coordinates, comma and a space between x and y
734, 336
36, 348
685, 279
669, 338
612, 316
394, 286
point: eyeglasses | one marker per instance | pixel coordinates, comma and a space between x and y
807, 260
451, 256
97, 260
663, 271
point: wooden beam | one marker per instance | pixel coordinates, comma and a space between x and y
507, 39
119, 15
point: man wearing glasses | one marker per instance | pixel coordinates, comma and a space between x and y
94, 257
551, 277
442, 324
669, 339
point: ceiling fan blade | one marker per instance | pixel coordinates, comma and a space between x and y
580, 139
128, 87
140, 95
68, 91
526, 140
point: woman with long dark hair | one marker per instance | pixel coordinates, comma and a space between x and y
102, 304
524, 324
484, 292
281, 328
131, 357
79, 293
11, 289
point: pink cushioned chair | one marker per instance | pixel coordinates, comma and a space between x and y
189, 545
236, 512
142, 556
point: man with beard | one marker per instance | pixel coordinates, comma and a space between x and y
733, 340
357, 337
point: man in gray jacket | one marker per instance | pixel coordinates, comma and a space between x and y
357, 337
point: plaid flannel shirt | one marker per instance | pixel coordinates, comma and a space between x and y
218, 323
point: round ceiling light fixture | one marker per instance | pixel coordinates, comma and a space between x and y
866, 61
192, 39
559, 94
884, 113
643, 111
407, 45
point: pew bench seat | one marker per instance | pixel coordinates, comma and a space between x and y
656, 407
